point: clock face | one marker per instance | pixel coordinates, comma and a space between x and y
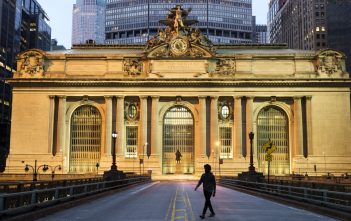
179, 46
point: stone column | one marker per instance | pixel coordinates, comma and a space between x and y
202, 125
214, 123
143, 128
108, 125
237, 127
61, 124
298, 126
155, 133
120, 125
51, 124
249, 123
309, 124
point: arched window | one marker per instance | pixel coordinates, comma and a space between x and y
178, 134
272, 123
85, 142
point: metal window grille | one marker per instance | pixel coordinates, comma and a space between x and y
225, 137
272, 123
85, 142
178, 134
132, 141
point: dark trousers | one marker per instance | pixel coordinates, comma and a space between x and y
207, 202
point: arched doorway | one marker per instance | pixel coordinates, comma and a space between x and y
178, 134
272, 123
85, 139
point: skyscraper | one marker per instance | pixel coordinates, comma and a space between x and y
261, 34
311, 24
35, 31
88, 21
10, 14
223, 21
23, 26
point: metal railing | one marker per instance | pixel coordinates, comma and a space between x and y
22, 186
14, 203
331, 199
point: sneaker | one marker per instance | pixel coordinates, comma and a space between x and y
202, 216
212, 215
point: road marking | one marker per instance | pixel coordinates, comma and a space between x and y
145, 187
170, 206
189, 206
174, 204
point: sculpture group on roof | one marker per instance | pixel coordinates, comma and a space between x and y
178, 26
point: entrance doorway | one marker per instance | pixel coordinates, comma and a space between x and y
178, 135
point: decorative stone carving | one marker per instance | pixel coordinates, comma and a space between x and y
32, 63
178, 39
131, 111
133, 66
225, 68
225, 111
329, 63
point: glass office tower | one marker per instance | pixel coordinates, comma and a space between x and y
88, 21
133, 22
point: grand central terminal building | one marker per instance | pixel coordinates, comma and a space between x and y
180, 92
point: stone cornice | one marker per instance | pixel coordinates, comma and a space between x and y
144, 83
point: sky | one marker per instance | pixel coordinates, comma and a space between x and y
60, 14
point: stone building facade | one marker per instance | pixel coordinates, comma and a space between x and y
180, 92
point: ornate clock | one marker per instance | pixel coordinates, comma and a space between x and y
179, 46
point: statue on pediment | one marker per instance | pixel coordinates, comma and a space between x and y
329, 63
31, 63
178, 39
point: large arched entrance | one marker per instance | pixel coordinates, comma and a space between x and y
85, 139
178, 134
272, 123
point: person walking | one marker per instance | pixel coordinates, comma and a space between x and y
208, 182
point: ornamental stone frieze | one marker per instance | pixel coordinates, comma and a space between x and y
329, 63
133, 66
224, 68
178, 39
31, 64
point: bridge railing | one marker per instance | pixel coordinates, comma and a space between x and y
21, 186
13, 203
331, 199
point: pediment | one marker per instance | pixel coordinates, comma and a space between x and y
178, 39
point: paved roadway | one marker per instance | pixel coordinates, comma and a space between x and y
178, 201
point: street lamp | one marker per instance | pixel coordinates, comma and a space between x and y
251, 167
97, 168
53, 171
144, 146
114, 137
36, 169
218, 152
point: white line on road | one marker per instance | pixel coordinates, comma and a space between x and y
143, 188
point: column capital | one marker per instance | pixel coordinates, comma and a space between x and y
62, 97
108, 96
202, 97
250, 97
238, 97
120, 96
155, 97
309, 97
214, 97
143, 96
297, 97
52, 96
